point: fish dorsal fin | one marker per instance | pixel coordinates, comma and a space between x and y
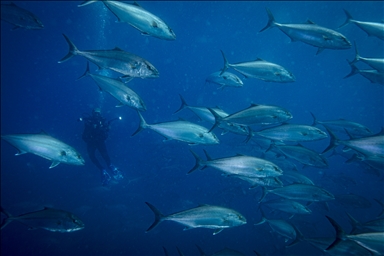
43, 132
136, 4
254, 105
201, 205
310, 22
259, 59
117, 49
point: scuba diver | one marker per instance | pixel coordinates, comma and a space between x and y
95, 133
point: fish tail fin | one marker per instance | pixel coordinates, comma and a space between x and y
333, 141
354, 70
202, 253
265, 192
86, 73
348, 20
340, 234
353, 222
299, 237
183, 104
263, 218
159, 217
87, 3
209, 158
6, 220
315, 121
218, 118
72, 50
226, 63
143, 125
271, 21
357, 56
198, 163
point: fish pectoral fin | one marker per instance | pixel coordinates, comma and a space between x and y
144, 34
217, 231
319, 50
126, 79
21, 152
120, 105
187, 228
63, 153
54, 164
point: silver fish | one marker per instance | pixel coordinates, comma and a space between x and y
49, 219
45, 146
241, 165
296, 177
303, 155
372, 225
374, 76
128, 64
180, 130
310, 33
20, 17
352, 127
371, 28
226, 79
293, 132
304, 192
260, 69
288, 206
204, 216
264, 182
376, 63
136, 16
116, 88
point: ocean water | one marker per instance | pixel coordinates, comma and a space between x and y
38, 93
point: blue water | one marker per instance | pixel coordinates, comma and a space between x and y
38, 94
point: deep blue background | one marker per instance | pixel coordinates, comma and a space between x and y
38, 93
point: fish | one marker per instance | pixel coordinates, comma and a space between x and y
45, 146
374, 76
296, 177
371, 28
180, 130
203, 216
226, 79
118, 60
50, 219
118, 90
373, 242
304, 155
293, 132
310, 33
260, 69
367, 147
288, 206
376, 63
239, 165
304, 192
20, 17
372, 225
254, 115
279, 226
139, 18
264, 182
352, 127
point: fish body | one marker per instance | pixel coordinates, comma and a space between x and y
260, 69
45, 146
281, 227
304, 192
374, 76
20, 17
204, 216
264, 182
310, 33
293, 132
49, 219
128, 64
239, 165
371, 28
118, 90
136, 16
296, 177
288, 206
180, 130
225, 79
376, 63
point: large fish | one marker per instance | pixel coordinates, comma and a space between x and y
20, 17
180, 130
288, 206
293, 132
239, 165
371, 28
310, 33
296, 177
376, 63
304, 192
45, 146
352, 127
376, 225
128, 64
374, 76
136, 16
260, 69
254, 115
264, 182
204, 216
49, 219
225, 79
116, 88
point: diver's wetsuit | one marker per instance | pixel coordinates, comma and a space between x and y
95, 133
